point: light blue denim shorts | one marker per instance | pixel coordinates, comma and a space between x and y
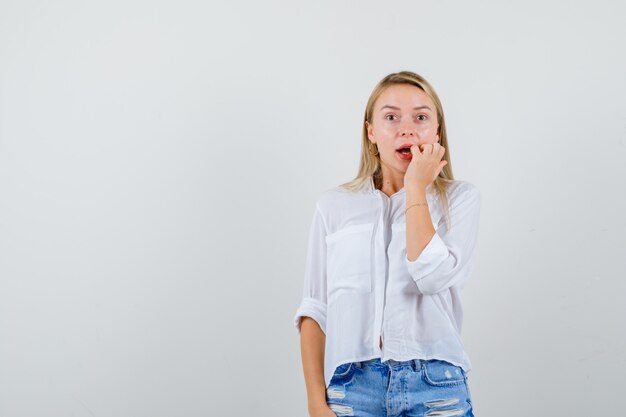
399, 389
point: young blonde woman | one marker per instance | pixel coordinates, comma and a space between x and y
389, 253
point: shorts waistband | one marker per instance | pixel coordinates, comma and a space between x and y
416, 364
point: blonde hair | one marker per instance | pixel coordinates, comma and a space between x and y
370, 167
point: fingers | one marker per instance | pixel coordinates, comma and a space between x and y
441, 165
425, 149
438, 150
432, 149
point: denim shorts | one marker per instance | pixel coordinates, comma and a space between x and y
412, 388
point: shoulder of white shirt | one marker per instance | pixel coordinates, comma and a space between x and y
331, 194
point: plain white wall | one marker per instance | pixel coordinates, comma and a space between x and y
159, 164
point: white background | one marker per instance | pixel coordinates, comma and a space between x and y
159, 164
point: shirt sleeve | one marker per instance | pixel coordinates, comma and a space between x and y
447, 260
313, 302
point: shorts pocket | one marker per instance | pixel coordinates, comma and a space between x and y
443, 373
349, 251
343, 372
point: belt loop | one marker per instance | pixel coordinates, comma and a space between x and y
358, 364
418, 365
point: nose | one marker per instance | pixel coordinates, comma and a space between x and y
406, 130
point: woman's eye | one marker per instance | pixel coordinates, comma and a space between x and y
390, 116
421, 117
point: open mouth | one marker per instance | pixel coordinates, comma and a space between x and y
404, 153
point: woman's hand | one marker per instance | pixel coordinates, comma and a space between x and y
425, 165
322, 410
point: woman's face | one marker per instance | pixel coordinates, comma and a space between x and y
403, 115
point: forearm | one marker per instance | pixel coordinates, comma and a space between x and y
312, 345
419, 226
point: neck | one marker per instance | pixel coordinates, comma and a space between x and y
391, 183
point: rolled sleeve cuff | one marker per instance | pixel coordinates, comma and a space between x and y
310, 307
431, 257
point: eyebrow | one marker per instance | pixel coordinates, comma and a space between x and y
397, 108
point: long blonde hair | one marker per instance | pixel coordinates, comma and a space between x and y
370, 167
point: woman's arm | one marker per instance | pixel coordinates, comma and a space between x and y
310, 319
419, 226
437, 262
312, 344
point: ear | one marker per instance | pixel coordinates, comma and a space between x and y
370, 131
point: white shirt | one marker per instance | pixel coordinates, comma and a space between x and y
359, 284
